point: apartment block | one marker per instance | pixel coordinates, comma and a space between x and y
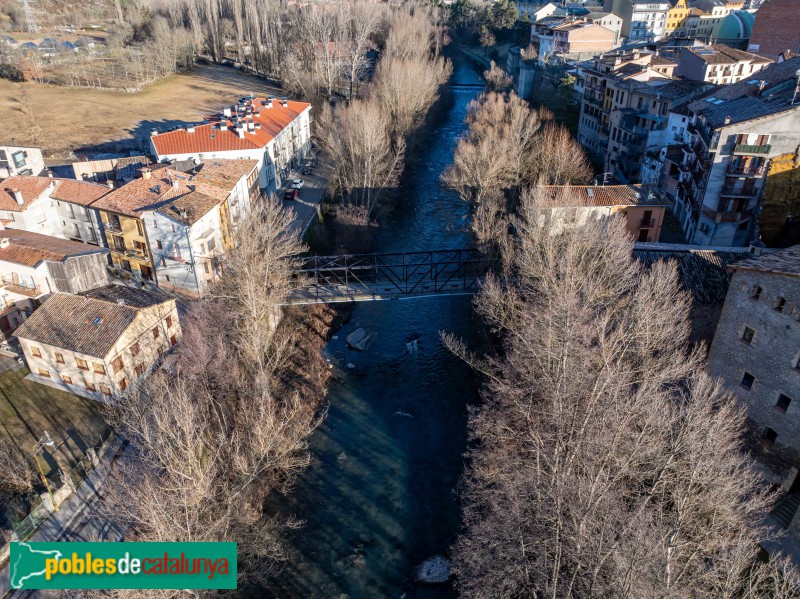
718, 64
642, 20
731, 136
100, 344
275, 133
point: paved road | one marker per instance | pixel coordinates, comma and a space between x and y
308, 200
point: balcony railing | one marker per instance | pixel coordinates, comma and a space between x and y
113, 227
749, 149
136, 254
26, 290
741, 169
728, 217
647, 223
728, 190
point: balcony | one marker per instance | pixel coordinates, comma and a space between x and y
728, 217
745, 171
26, 290
738, 192
748, 149
113, 227
647, 223
591, 99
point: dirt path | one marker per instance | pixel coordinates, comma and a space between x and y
64, 119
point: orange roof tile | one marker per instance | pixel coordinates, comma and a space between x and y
29, 249
78, 192
210, 138
602, 195
30, 187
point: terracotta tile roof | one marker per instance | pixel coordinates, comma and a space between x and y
31, 188
77, 323
78, 192
217, 178
783, 262
168, 192
30, 249
603, 195
67, 190
210, 138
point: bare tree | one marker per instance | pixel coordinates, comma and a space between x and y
497, 80
411, 33
607, 462
16, 471
366, 160
408, 87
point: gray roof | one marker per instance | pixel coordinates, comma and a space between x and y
784, 262
138, 298
703, 272
739, 110
78, 323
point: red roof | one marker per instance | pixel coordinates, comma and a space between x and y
601, 195
66, 190
210, 138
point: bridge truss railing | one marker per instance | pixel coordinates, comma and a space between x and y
364, 277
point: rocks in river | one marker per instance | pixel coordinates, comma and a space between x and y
350, 365
433, 569
359, 338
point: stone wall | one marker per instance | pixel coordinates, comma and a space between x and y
771, 358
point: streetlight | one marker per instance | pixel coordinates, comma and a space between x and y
45, 441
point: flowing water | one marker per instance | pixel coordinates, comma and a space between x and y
379, 496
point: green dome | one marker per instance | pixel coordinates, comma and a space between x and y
736, 26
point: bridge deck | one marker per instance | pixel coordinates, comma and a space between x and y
373, 277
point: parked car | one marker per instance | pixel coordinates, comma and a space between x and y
291, 194
297, 183
308, 170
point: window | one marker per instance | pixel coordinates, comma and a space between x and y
19, 158
783, 403
769, 436
756, 293
44, 373
206, 267
139, 227
780, 304
59, 358
173, 340
36, 352
156, 333
81, 364
211, 245
98, 368
105, 390
159, 245
90, 386
169, 322
747, 381
139, 369
164, 262
117, 364
123, 384
135, 349
747, 335
66, 379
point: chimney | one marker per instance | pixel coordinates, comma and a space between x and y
728, 120
120, 302
110, 184
251, 126
175, 183
285, 101
4, 242
153, 132
240, 131
226, 112
50, 173
189, 129
184, 214
761, 85
269, 103
146, 173
18, 196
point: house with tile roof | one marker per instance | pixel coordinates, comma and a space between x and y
98, 345
641, 207
34, 266
275, 133
719, 168
170, 227
52, 206
718, 64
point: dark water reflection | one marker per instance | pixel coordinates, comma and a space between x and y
379, 496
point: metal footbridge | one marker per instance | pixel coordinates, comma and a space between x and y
374, 277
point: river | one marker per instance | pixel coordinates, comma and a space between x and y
379, 496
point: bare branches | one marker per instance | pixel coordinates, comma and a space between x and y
608, 463
16, 471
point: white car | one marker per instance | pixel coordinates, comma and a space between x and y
297, 183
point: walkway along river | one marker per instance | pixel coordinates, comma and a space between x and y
379, 496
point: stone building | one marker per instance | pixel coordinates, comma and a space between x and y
756, 349
99, 344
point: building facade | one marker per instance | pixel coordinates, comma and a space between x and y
731, 137
274, 133
776, 29
642, 20
98, 347
718, 64
756, 349
20, 160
